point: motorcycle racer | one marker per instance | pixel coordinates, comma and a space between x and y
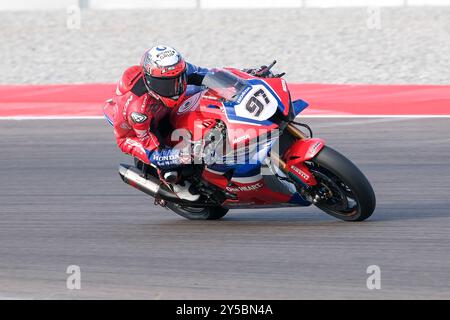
145, 95
233, 105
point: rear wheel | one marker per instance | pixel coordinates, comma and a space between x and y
191, 213
342, 191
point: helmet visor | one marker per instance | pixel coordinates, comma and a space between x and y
167, 87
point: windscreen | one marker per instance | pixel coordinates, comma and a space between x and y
224, 84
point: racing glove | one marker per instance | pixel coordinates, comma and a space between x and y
258, 72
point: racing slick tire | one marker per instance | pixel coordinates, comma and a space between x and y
347, 184
208, 213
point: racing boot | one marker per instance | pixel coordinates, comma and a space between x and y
182, 189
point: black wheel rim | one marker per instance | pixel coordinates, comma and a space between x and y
339, 198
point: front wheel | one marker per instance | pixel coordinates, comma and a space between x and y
191, 213
342, 190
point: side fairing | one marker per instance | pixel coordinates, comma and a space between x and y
199, 112
196, 115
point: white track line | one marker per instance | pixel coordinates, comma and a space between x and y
360, 121
413, 116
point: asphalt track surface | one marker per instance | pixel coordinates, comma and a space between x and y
62, 203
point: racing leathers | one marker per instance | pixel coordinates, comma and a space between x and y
138, 114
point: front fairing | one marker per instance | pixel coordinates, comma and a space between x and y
202, 111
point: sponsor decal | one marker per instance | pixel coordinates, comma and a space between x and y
161, 56
300, 172
166, 54
315, 147
251, 187
240, 139
170, 157
243, 93
189, 104
138, 117
166, 58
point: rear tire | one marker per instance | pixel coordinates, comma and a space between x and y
349, 179
209, 213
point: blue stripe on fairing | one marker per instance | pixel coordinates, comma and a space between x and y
240, 170
246, 169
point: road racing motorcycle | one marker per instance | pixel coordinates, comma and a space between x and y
251, 153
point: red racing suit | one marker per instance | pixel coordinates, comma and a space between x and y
137, 113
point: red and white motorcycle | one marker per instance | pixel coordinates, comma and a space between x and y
252, 154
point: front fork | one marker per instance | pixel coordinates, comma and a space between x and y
292, 162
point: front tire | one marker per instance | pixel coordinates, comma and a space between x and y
208, 213
353, 198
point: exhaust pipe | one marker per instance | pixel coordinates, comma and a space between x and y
151, 186
132, 176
